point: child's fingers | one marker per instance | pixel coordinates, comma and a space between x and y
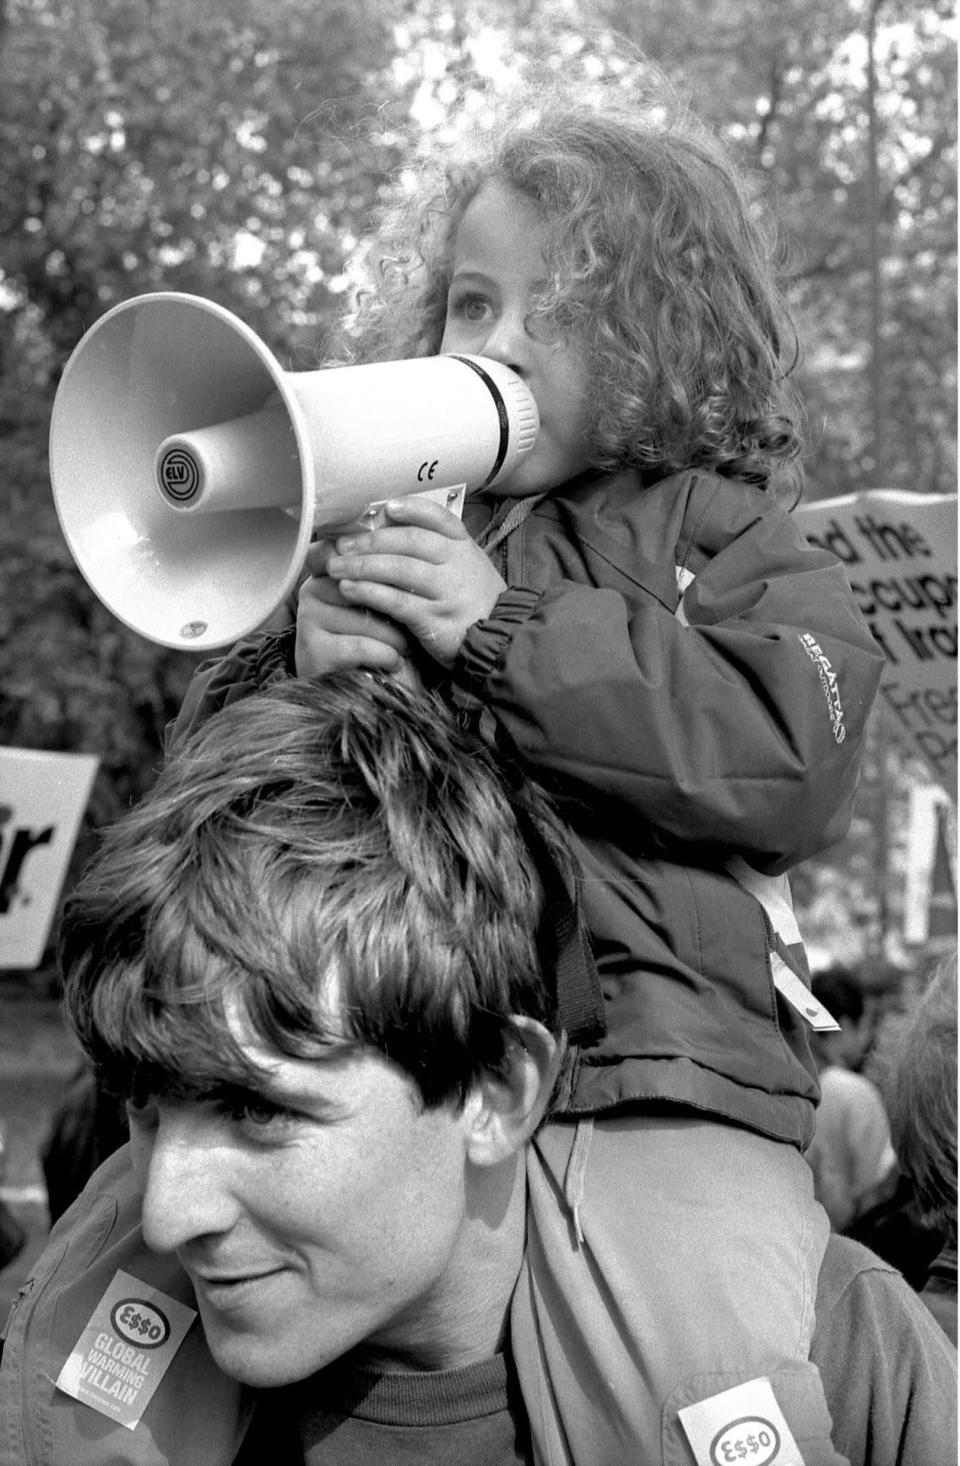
414, 528
334, 635
389, 601
425, 513
317, 556
315, 657
364, 625
415, 544
357, 651
403, 572
323, 610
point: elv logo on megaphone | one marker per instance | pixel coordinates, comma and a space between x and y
189, 470
178, 475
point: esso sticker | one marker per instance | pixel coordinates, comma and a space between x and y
140, 1323
750, 1439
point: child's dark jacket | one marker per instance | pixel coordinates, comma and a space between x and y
690, 679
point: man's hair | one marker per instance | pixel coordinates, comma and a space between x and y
663, 270
338, 864
920, 1090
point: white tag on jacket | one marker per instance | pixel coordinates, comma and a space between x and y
684, 578
125, 1349
740, 1427
795, 992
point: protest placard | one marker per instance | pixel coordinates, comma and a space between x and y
930, 897
42, 799
900, 554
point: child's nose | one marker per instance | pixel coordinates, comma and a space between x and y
508, 342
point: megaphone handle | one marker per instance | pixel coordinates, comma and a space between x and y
374, 516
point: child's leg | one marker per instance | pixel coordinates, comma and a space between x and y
668, 1259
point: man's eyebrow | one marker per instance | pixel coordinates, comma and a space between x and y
262, 1085
252, 1088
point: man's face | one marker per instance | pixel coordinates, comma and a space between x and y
321, 1209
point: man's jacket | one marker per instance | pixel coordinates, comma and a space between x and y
197, 1417
889, 1372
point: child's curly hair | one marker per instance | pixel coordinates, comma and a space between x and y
660, 266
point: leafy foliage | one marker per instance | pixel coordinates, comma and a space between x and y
143, 146
183, 146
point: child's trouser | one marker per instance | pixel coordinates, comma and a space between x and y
668, 1259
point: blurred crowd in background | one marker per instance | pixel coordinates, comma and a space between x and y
884, 1156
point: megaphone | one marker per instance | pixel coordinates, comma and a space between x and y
189, 471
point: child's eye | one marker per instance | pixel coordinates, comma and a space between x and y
475, 309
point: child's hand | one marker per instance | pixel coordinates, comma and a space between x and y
421, 569
332, 634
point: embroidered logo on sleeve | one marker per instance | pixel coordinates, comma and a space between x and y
828, 681
740, 1427
125, 1349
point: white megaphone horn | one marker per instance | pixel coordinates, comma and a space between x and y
190, 471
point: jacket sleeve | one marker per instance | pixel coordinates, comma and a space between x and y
196, 1414
734, 723
252, 664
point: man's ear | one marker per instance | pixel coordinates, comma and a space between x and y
508, 1107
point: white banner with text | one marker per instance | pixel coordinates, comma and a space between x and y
900, 554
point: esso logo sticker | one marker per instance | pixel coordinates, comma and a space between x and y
751, 1439
140, 1323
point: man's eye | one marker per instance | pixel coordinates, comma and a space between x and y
257, 1115
261, 1112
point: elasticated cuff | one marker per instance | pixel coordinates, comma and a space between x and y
487, 640
275, 656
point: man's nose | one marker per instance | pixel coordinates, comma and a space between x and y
185, 1172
